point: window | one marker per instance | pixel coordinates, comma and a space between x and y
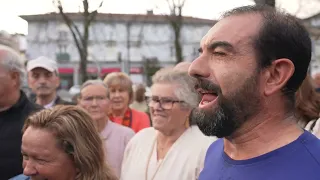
63, 35
172, 51
111, 43
135, 44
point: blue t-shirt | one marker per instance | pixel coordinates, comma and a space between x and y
299, 160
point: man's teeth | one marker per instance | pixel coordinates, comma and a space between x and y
205, 102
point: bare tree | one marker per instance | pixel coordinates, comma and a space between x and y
271, 3
176, 22
80, 39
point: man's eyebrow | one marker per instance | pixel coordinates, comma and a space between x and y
222, 44
214, 45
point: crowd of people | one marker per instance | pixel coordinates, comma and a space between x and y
245, 109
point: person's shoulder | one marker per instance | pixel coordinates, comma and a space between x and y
144, 134
139, 113
20, 177
312, 144
215, 147
61, 101
122, 129
33, 107
146, 131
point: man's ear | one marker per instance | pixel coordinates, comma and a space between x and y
15, 76
277, 75
57, 81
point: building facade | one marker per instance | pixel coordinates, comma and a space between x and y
113, 38
313, 25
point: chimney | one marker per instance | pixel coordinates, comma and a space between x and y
149, 12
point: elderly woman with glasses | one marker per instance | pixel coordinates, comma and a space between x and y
174, 148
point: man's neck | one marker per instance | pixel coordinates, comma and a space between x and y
10, 100
44, 100
271, 132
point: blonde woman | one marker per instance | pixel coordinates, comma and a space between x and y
121, 96
308, 107
63, 143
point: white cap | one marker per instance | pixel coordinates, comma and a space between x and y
43, 62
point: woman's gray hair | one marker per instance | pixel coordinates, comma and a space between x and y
185, 90
93, 82
12, 61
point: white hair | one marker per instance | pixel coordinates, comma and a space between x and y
12, 61
185, 90
93, 82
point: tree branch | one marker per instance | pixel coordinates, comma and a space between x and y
170, 7
94, 13
70, 25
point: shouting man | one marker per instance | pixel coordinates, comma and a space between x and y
251, 63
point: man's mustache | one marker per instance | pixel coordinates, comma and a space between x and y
207, 85
43, 87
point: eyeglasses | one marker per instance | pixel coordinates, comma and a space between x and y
165, 103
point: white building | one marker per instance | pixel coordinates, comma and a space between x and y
313, 25
131, 36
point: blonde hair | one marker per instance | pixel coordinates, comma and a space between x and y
119, 79
307, 101
77, 136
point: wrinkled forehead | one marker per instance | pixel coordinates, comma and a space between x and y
94, 90
235, 29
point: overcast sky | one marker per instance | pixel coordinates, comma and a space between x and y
210, 9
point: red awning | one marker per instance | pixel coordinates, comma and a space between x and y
93, 70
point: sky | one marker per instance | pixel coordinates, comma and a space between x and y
208, 9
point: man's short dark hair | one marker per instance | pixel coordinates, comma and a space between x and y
281, 36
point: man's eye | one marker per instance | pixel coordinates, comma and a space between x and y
219, 53
25, 157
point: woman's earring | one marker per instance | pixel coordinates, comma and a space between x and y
187, 123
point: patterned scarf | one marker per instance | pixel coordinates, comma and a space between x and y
126, 120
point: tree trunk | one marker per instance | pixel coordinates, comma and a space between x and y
85, 39
271, 3
177, 44
84, 58
83, 69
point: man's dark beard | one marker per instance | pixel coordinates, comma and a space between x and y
231, 111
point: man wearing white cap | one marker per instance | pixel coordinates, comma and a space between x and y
43, 79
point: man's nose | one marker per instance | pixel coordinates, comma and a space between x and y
42, 79
29, 168
199, 68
